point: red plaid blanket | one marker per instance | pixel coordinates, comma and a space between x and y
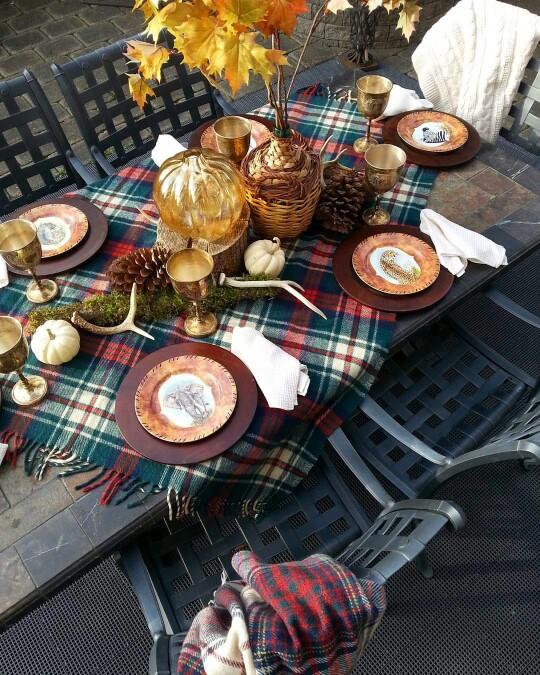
312, 617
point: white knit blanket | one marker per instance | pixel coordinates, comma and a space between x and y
470, 63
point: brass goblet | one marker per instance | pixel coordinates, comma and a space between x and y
372, 94
20, 247
384, 164
190, 272
233, 135
13, 354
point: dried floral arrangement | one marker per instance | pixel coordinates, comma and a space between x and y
223, 39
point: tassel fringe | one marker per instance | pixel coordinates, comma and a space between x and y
120, 484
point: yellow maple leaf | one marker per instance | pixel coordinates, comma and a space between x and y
409, 15
241, 12
202, 44
174, 15
281, 16
139, 90
241, 54
150, 58
146, 7
336, 6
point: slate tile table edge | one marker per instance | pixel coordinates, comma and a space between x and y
61, 572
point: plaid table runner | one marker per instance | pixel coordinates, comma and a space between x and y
76, 424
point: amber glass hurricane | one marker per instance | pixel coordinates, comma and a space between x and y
199, 193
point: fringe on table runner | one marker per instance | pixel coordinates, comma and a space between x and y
120, 484
37, 459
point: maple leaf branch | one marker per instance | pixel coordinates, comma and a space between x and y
316, 20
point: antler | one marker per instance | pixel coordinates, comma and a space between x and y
127, 324
286, 285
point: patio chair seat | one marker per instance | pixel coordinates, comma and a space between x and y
505, 319
176, 568
461, 395
445, 392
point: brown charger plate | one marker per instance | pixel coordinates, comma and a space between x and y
186, 398
351, 284
441, 132
195, 140
60, 227
376, 260
98, 230
259, 134
436, 160
197, 451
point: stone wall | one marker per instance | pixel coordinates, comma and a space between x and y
334, 30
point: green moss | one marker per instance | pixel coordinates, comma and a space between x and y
111, 309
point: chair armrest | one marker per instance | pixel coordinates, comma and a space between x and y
511, 307
452, 512
398, 536
397, 431
80, 169
159, 662
137, 573
102, 163
348, 455
224, 105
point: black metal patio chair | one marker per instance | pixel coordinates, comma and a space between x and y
459, 396
36, 159
176, 568
524, 116
114, 128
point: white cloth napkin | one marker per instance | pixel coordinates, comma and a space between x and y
456, 245
404, 100
3, 450
280, 376
166, 146
4, 279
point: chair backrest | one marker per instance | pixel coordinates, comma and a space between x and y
33, 147
96, 89
524, 129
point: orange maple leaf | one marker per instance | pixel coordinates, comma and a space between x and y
281, 16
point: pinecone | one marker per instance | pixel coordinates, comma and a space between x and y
342, 199
144, 266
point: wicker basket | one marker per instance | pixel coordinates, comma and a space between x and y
228, 252
283, 185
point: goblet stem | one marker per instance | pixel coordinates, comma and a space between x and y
197, 315
368, 134
25, 382
36, 279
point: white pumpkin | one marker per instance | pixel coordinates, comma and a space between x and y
56, 342
265, 257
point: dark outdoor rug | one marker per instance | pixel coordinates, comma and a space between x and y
92, 627
480, 614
